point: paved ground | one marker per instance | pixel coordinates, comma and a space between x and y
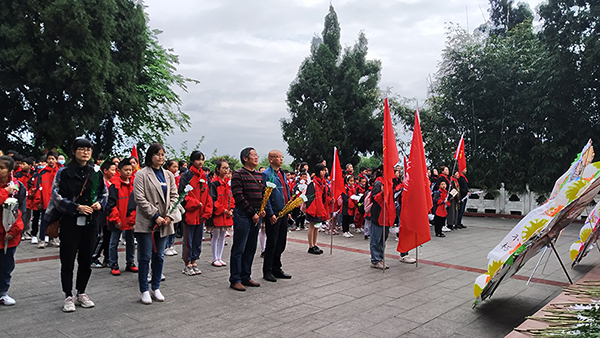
329, 295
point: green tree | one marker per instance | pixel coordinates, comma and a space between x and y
504, 15
333, 100
489, 89
70, 68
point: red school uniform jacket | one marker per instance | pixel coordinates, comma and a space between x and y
194, 213
17, 227
220, 191
116, 207
348, 204
319, 198
44, 184
441, 203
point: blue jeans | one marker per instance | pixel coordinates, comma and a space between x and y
7, 265
145, 254
113, 247
243, 249
376, 241
170, 241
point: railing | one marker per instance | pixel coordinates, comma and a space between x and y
506, 203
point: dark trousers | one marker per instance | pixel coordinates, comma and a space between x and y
438, 223
102, 243
35, 222
346, 220
7, 265
299, 217
276, 241
243, 249
76, 241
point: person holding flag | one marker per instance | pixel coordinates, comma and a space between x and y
383, 211
463, 182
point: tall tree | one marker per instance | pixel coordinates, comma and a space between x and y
505, 15
333, 100
70, 68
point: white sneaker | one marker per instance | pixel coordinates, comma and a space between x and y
157, 295
146, 298
173, 251
168, 252
347, 235
34, 240
54, 242
26, 236
7, 300
84, 301
407, 259
445, 229
41, 245
69, 305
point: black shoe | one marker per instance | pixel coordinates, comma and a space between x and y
367, 237
440, 235
313, 251
262, 254
460, 226
281, 274
318, 250
269, 277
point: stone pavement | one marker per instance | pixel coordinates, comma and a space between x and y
335, 295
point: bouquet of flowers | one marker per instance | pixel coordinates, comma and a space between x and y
291, 205
266, 195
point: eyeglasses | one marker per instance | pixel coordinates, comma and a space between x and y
159, 155
84, 150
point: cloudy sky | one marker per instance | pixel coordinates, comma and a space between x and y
246, 53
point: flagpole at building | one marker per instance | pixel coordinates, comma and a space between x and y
332, 223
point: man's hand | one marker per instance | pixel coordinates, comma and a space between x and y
255, 218
273, 219
167, 221
8, 237
96, 206
160, 221
84, 209
262, 214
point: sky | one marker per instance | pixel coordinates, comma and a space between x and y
246, 53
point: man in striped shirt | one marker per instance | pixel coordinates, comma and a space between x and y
247, 190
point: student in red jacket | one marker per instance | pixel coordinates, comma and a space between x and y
44, 193
440, 203
223, 204
198, 208
25, 176
319, 201
116, 209
9, 187
348, 205
359, 217
173, 167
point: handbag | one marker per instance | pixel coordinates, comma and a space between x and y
54, 227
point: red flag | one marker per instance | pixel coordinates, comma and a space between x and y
337, 178
459, 155
390, 159
416, 198
405, 167
134, 153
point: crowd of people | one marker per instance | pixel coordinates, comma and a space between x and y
97, 204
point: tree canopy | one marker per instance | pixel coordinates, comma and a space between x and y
70, 68
333, 100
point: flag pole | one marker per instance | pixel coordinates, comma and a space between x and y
416, 251
331, 221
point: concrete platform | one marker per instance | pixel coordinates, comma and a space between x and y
336, 295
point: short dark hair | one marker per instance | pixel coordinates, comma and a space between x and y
169, 163
196, 155
245, 153
153, 149
317, 169
106, 165
80, 143
125, 162
219, 164
29, 160
8, 162
42, 158
53, 154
